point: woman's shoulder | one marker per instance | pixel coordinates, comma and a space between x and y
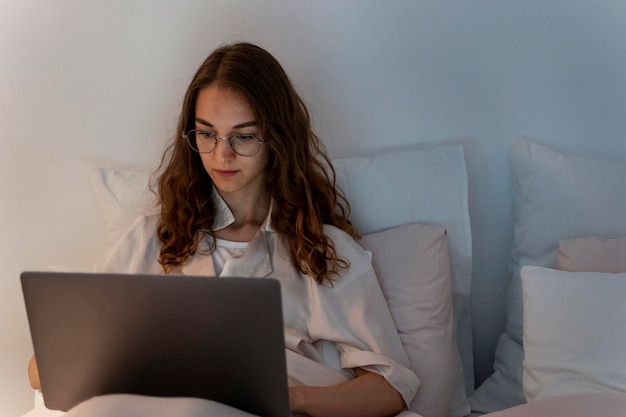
349, 249
357, 280
329, 229
147, 219
138, 248
144, 230
340, 237
142, 227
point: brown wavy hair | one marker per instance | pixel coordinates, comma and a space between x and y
299, 177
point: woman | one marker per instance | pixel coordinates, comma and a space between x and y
246, 189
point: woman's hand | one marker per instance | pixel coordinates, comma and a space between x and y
33, 373
367, 395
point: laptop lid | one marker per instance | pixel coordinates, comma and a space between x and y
172, 336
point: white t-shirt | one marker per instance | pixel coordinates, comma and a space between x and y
224, 250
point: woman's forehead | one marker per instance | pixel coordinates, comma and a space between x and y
217, 105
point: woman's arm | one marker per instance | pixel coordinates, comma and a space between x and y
367, 395
33, 373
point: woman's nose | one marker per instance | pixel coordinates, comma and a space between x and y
223, 151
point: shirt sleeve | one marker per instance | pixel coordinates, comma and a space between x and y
353, 314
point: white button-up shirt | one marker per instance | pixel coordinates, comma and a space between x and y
345, 325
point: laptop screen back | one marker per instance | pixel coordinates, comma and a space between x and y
173, 336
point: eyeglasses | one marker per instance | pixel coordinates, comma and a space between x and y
243, 144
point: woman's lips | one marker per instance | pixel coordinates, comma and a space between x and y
225, 173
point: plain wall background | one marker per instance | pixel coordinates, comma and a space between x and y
102, 81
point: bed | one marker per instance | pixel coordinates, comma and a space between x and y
560, 354
562, 335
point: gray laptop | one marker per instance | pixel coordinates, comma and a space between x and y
171, 336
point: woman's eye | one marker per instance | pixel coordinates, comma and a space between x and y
244, 136
207, 134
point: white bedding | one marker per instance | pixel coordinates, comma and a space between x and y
578, 405
136, 406
302, 371
139, 406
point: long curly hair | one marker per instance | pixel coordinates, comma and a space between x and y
299, 176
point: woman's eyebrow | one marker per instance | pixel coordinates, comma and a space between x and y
203, 122
246, 124
237, 126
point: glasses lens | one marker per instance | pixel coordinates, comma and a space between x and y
201, 142
245, 145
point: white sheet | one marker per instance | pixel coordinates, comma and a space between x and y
302, 371
579, 405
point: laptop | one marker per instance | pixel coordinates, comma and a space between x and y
169, 336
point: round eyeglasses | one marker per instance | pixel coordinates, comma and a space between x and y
243, 144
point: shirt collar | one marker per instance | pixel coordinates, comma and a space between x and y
255, 262
224, 217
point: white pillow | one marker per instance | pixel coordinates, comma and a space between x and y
574, 338
421, 186
385, 191
122, 195
556, 197
413, 269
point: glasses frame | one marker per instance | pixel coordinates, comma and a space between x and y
216, 138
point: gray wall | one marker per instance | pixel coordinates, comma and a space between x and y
85, 81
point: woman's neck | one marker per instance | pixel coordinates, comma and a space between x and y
249, 214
